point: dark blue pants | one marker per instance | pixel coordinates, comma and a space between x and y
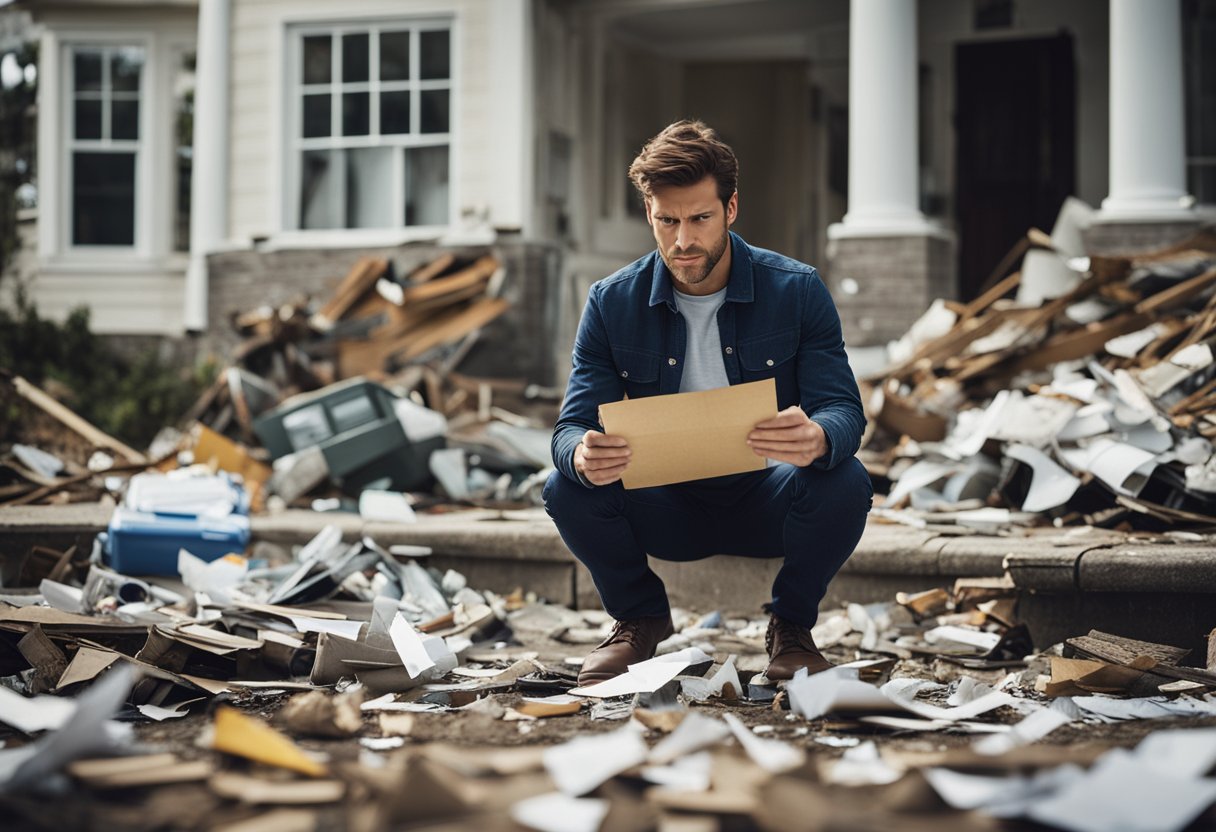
811, 517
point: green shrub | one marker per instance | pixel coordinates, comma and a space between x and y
129, 399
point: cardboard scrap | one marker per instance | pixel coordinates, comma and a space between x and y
246, 737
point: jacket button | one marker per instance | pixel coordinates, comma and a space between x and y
671, 361
769, 362
624, 374
730, 350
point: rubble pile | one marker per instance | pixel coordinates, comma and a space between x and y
327, 400
1087, 398
352, 687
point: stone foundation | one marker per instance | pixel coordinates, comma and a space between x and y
896, 280
1121, 238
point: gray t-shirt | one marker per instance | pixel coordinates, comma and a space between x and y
704, 368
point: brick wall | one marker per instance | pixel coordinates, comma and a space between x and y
896, 278
1135, 238
519, 344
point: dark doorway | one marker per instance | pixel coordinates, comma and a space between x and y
1015, 120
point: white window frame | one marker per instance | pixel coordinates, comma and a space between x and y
143, 146
294, 89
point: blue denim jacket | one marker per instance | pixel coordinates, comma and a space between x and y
778, 322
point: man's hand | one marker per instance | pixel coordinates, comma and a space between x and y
601, 458
790, 436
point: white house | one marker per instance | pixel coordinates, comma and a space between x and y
900, 145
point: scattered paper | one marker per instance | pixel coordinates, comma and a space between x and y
695, 731
39, 713
647, 676
556, 812
348, 630
771, 755
582, 764
1050, 484
420, 653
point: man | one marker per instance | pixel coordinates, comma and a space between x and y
703, 311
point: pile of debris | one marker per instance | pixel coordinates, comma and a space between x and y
327, 401
353, 687
1089, 398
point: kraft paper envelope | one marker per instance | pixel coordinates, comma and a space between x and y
690, 436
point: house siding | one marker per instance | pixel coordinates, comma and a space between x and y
487, 153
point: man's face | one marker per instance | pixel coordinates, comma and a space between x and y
690, 225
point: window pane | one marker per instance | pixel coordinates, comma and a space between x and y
124, 119
88, 119
356, 107
125, 65
87, 71
318, 57
394, 56
394, 112
316, 115
354, 58
434, 111
426, 186
318, 189
103, 199
369, 190
434, 48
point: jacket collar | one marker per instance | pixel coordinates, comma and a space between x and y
739, 287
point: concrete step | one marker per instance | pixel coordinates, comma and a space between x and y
1067, 584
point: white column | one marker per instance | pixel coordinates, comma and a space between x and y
883, 187
1147, 122
209, 178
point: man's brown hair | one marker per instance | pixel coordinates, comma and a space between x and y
684, 153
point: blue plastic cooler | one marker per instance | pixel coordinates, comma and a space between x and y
142, 543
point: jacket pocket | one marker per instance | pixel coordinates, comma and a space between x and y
636, 366
762, 355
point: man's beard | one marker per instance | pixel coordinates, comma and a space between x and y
692, 275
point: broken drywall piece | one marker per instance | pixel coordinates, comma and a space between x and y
724, 683
647, 676
582, 764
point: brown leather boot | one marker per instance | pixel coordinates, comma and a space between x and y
629, 642
789, 648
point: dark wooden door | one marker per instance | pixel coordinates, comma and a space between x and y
1015, 124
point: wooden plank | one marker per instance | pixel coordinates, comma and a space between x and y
474, 275
362, 276
1124, 651
452, 328
431, 270
1178, 293
1077, 344
998, 291
72, 421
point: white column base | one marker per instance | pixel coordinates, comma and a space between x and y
1158, 209
889, 225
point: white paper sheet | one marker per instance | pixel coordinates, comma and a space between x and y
1114, 463
61, 596
556, 812
1050, 484
835, 691
647, 676
1180, 752
961, 635
1125, 793
1031, 729
903, 693
32, 714
687, 774
863, 766
348, 630
1003, 796
1154, 707
695, 731
584, 763
773, 756
420, 653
